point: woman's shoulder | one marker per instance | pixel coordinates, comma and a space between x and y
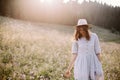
93, 34
74, 41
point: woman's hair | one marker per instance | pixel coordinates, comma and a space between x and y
78, 35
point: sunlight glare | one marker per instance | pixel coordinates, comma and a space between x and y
42, 1
80, 1
73, 0
47, 1
66, 1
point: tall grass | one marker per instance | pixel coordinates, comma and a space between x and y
30, 52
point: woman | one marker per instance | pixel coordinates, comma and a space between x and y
86, 54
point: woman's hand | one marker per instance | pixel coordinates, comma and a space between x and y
67, 74
99, 57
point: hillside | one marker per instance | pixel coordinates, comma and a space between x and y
40, 50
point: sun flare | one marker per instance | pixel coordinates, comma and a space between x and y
66, 1
47, 1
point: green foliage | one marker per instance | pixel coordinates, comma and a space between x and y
5, 71
6, 58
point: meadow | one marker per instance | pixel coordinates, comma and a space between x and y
41, 51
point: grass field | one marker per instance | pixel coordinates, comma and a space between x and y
32, 51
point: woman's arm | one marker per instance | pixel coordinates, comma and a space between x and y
97, 47
75, 53
68, 73
99, 57
72, 62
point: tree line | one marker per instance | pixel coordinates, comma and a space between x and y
99, 14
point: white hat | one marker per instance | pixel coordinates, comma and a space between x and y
82, 22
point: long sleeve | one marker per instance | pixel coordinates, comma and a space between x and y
74, 47
97, 45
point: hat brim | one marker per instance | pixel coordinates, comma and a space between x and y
83, 25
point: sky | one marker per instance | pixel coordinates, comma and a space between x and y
109, 2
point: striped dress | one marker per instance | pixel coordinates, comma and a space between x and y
87, 66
